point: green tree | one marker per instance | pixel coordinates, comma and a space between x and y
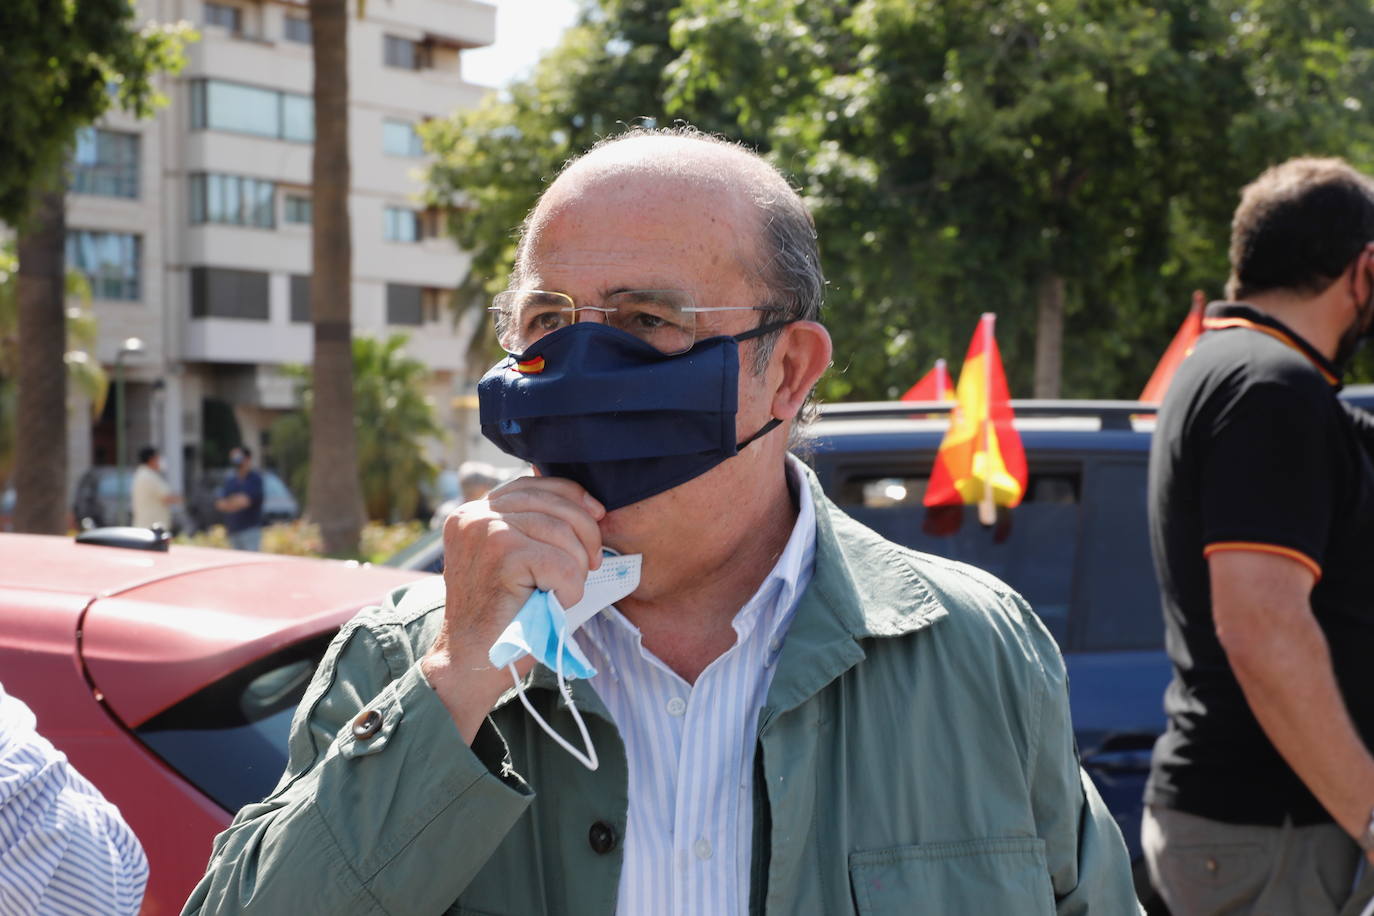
1068, 164
65, 64
393, 419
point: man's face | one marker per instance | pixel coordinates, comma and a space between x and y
647, 232
1363, 322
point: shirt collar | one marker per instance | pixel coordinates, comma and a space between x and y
1223, 315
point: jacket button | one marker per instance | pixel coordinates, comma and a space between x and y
368, 723
601, 837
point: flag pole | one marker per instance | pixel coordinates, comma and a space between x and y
987, 509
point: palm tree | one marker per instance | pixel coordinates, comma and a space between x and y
84, 373
394, 421
334, 497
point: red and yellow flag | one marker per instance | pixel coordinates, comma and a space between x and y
981, 459
933, 386
1182, 344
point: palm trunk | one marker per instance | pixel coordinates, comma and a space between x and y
334, 499
40, 454
1049, 336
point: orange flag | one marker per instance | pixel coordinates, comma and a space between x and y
933, 386
981, 460
1179, 347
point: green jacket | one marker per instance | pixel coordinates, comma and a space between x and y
914, 756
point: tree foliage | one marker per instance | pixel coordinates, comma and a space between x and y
956, 153
393, 420
65, 64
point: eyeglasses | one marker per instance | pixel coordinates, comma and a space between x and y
665, 319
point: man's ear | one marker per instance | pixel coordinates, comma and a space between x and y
802, 354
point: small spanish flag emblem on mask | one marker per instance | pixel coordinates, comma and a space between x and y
530, 366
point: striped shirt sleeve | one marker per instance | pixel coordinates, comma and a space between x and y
63, 848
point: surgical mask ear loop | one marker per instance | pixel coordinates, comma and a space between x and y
589, 759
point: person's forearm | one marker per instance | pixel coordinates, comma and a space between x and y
1286, 674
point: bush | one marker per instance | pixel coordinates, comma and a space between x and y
302, 539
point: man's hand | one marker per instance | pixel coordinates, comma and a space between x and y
534, 532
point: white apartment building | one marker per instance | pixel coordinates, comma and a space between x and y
194, 226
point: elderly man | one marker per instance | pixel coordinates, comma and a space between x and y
787, 715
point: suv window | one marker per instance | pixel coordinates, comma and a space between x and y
1032, 548
244, 718
1077, 548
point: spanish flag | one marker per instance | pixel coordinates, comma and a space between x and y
981, 460
933, 386
1182, 344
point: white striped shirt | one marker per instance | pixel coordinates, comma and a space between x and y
63, 848
690, 748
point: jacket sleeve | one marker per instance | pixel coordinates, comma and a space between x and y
395, 817
1090, 868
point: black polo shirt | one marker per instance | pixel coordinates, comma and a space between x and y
1254, 451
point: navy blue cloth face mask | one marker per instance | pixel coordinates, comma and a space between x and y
601, 407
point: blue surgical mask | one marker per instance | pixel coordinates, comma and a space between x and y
601, 407
543, 629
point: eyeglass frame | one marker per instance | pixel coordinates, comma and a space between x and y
575, 308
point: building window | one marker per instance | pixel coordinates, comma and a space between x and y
298, 209
399, 138
233, 200
298, 29
401, 225
300, 298
221, 105
105, 163
218, 292
224, 16
110, 261
404, 304
404, 53
434, 303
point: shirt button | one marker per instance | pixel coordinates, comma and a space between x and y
677, 706
601, 838
368, 723
702, 848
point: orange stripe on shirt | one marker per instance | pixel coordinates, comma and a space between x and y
1256, 547
1216, 324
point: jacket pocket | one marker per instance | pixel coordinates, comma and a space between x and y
975, 877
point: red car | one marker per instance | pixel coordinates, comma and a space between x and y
169, 678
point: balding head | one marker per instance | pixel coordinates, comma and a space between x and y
775, 235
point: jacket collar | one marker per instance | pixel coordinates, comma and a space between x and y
1223, 315
863, 587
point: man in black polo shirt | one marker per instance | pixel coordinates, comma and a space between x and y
1262, 525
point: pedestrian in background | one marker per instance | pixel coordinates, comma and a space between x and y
1261, 794
153, 498
240, 500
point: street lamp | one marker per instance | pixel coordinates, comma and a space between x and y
131, 346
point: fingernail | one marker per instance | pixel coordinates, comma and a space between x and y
594, 507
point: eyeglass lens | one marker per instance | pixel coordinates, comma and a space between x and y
660, 318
